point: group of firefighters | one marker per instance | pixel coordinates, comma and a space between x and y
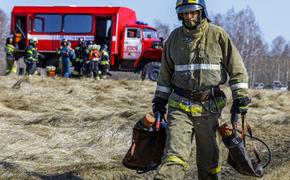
87, 58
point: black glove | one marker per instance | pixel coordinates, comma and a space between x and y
159, 106
240, 106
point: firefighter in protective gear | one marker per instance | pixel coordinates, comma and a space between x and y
58, 52
196, 59
10, 55
94, 60
81, 56
86, 66
31, 56
67, 54
104, 61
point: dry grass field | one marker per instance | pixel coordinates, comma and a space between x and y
52, 129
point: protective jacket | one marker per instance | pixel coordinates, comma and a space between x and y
10, 50
31, 53
81, 53
198, 60
94, 55
104, 58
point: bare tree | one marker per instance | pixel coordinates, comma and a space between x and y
246, 34
3, 35
162, 28
284, 64
3, 28
263, 64
278, 48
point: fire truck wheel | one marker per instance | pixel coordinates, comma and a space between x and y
152, 69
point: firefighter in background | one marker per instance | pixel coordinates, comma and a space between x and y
86, 66
59, 66
94, 60
105, 61
31, 56
196, 59
67, 55
81, 56
10, 55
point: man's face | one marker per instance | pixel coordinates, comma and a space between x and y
190, 16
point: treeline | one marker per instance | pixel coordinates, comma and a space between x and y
3, 32
264, 63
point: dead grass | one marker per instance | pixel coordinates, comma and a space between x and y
81, 129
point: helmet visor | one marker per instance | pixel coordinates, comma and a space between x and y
188, 8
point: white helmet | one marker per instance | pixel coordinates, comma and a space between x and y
97, 47
33, 40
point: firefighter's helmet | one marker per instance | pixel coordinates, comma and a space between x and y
33, 40
185, 6
81, 40
104, 47
90, 42
96, 47
63, 42
9, 40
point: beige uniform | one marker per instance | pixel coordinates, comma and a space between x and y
197, 60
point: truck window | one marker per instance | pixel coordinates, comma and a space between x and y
133, 33
149, 33
77, 23
47, 23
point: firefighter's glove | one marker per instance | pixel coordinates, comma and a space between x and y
240, 106
159, 106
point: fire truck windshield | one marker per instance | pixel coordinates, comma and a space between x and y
150, 33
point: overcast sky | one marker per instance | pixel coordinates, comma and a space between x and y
272, 16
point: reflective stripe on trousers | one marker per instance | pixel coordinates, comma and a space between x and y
177, 160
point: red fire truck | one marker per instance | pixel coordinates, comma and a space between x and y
117, 27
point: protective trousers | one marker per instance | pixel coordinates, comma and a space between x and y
10, 63
180, 132
78, 68
66, 67
30, 67
104, 69
94, 66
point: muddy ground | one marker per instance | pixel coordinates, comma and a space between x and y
54, 129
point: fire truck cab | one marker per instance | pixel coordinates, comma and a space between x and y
117, 27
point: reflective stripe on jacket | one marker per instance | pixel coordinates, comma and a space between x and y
81, 53
31, 53
10, 49
104, 58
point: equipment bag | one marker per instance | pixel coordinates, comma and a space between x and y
238, 156
146, 150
